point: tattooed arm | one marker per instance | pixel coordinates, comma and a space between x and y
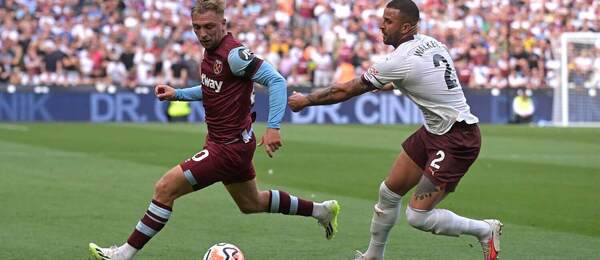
335, 93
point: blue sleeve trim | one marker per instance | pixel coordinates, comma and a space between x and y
189, 94
267, 76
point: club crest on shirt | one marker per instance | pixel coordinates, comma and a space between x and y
373, 71
218, 67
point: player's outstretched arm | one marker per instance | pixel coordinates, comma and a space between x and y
335, 93
166, 92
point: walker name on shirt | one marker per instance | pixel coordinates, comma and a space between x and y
421, 49
211, 83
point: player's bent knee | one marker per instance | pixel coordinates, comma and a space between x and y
419, 219
164, 192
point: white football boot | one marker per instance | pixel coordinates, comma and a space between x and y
111, 253
491, 246
329, 222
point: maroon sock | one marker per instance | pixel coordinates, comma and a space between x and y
284, 203
151, 223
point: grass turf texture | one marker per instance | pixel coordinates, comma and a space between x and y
64, 185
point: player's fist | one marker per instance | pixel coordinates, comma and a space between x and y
297, 101
271, 140
164, 92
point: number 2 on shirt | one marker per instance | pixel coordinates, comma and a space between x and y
450, 81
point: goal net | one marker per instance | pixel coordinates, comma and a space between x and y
577, 101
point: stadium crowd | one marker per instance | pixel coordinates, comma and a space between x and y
495, 43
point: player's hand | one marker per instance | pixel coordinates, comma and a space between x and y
271, 140
386, 87
164, 92
297, 101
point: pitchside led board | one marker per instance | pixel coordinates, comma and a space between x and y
372, 108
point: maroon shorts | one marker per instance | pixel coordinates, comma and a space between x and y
228, 163
445, 158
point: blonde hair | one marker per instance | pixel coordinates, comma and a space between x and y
203, 6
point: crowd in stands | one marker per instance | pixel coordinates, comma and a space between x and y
494, 43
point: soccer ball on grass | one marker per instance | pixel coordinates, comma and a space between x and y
223, 251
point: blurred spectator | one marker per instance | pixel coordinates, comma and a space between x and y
344, 72
71, 67
52, 67
175, 69
192, 64
323, 66
4, 72
497, 80
178, 111
116, 69
523, 107
297, 79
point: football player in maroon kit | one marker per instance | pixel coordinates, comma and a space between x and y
228, 72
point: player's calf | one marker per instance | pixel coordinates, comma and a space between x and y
445, 222
385, 214
251, 206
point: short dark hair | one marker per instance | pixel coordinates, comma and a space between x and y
407, 8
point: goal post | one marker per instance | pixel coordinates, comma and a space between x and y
576, 102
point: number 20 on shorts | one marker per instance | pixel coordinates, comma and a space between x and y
200, 155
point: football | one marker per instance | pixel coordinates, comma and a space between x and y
221, 251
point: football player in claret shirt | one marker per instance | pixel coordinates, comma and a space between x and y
437, 155
228, 71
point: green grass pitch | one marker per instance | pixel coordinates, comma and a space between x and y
65, 185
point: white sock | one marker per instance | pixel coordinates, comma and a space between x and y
445, 222
127, 251
385, 213
319, 210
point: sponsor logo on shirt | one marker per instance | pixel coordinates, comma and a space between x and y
211, 83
